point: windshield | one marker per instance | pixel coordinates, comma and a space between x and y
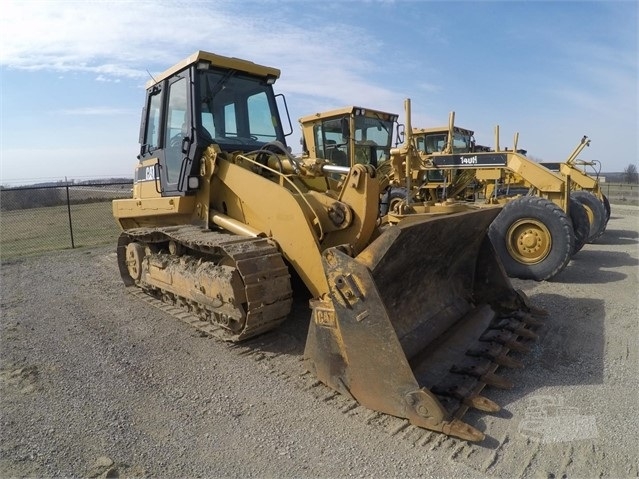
373, 138
435, 142
237, 111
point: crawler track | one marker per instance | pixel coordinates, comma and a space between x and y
266, 298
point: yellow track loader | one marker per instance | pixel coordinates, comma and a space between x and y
412, 319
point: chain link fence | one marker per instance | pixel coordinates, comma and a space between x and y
621, 193
47, 218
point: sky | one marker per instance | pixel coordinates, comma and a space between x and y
73, 73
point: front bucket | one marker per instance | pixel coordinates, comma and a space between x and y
417, 324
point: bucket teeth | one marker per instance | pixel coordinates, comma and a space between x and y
506, 338
487, 350
462, 430
529, 318
508, 362
473, 367
517, 327
464, 392
496, 353
508, 323
531, 308
517, 346
539, 312
497, 381
482, 403
455, 387
526, 333
484, 370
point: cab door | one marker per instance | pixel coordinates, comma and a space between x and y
176, 138
165, 137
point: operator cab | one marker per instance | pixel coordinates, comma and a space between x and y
433, 140
206, 99
349, 135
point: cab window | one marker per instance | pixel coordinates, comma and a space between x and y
175, 128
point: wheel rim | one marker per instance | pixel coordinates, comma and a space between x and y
528, 241
393, 206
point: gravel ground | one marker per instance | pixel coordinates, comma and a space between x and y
97, 383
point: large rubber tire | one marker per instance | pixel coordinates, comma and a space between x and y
606, 204
607, 209
580, 224
596, 213
533, 237
390, 198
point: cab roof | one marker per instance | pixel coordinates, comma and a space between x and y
442, 129
348, 110
230, 63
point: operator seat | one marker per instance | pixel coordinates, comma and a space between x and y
335, 155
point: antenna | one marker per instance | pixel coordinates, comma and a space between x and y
154, 80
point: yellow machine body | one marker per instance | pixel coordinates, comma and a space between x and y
412, 319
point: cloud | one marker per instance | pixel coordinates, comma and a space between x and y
112, 38
604, 83
102, 78
578, 71
114, 41
429, 87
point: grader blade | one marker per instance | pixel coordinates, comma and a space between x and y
404, 329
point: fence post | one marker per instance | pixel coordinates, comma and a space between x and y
69, 211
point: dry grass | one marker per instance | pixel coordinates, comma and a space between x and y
37, 230
621, 193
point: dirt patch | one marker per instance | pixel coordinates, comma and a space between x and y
18, 379
95, 383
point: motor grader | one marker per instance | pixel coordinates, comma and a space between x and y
584, 188
404, 320
354, 135
435, 169
525, 244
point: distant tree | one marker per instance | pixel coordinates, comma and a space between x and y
630, 174
19, 199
